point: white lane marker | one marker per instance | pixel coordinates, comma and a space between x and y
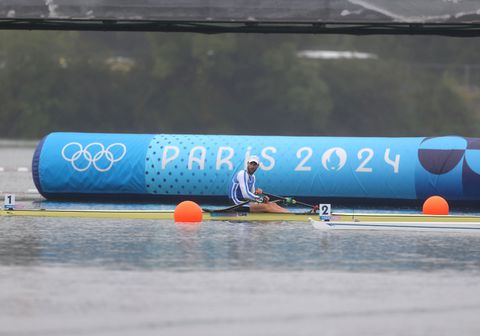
14, 169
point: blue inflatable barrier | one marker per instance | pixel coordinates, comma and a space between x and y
200, 167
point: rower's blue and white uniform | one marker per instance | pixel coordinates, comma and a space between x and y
243, 188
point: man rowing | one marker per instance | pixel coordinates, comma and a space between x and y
243, 189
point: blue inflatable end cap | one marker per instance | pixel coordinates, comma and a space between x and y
36, 166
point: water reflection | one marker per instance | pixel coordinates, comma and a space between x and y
19, 247
149, 244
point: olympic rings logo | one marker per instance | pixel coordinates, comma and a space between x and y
83, 158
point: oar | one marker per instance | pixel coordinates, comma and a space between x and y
292, 201
230, 208
233, 207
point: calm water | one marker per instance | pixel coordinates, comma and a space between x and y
143, 277
223, 246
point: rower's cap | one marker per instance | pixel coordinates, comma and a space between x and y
253, 158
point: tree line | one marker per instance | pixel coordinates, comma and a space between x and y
232, 84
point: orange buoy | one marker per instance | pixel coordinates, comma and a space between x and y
187, 212
435, 205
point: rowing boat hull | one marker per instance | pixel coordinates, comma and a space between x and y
398, 226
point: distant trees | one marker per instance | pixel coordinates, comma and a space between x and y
238, 84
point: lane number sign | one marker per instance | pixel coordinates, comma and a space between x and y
325, 212
9, 202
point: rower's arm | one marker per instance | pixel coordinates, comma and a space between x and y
253, 190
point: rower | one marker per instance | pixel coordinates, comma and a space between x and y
243, 189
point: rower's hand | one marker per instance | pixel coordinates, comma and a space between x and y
259, 191
263, 199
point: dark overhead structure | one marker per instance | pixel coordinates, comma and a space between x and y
360, 17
